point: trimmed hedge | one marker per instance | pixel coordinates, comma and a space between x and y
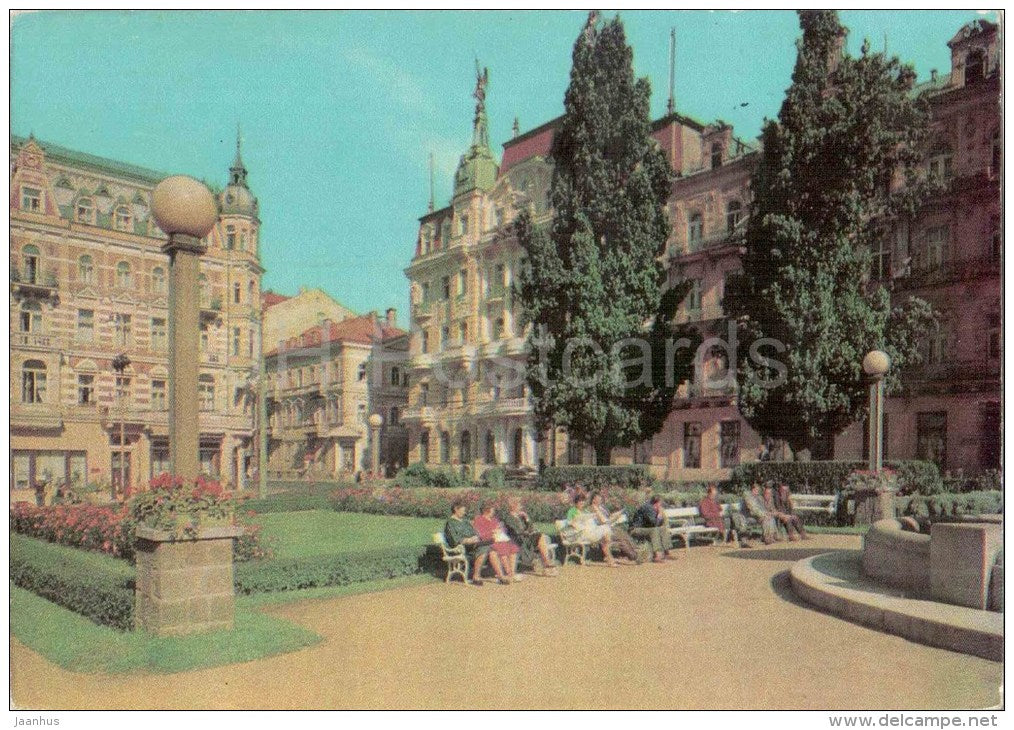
290, 574
286, 502
419, 475
829, 477
97, 587
590, 478
938, 506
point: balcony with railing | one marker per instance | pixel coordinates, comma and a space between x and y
691, 393
702, 314
950, 272
707, 244
424, 414
32, 282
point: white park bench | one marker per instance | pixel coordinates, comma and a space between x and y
455, 558
815, 503
573, 546
684, 524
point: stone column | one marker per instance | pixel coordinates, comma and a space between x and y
184, 326
185, 209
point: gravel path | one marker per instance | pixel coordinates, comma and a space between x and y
717, 628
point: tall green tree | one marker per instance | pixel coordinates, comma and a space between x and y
837, 167
593, 282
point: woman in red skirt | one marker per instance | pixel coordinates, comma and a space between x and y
490, 528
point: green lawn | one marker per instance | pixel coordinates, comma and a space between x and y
320, 532
75, 643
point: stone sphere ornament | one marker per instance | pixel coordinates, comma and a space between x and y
376, 420
876, 363
181, 204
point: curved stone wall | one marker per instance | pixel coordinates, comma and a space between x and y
897, 557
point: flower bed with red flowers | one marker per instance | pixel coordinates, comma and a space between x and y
169, 504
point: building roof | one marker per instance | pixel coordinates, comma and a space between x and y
73, 158
270, 298
366, 329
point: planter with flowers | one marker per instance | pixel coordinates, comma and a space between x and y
184, 556
874, 493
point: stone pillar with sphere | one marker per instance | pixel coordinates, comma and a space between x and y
876, 365
375, 422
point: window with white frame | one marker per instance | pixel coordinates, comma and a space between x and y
159, 336
158, 395
31, 199
122, 218
86, 389
123, 275
941, 162
85, 325
86, 269
85, 211
30, 320
694, 296
158, 280
733, 215
33, 381
121, 329
936, 247
695, 231
31, 261
122, 391
880, 262
206, 392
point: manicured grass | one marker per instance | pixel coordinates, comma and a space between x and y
320, 532
77, 644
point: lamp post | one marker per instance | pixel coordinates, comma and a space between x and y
876, 365
120, 363
185, 209
376, 421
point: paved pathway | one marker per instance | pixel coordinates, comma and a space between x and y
717, 628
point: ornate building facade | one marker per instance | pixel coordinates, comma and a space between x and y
323, 386
88, 283
468, 407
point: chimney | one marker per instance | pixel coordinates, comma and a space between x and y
392, 317
933, 74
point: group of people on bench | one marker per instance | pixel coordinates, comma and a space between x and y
503, 543
771, 507
515, 539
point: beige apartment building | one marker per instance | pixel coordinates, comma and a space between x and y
467, 408
88, 283
324, 384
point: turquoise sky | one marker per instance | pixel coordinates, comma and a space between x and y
340, 109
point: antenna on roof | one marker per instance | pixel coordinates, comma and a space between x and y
431, 183
671, 106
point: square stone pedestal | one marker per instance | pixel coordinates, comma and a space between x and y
185, 585
961, 560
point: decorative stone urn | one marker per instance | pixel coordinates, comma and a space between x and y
184, 584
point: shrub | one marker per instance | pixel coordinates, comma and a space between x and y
286, 502
291, 574
100, 588
937, 506
829, 477
590, 478
419, 475
989, 481
172, 505
494, 478
103, 529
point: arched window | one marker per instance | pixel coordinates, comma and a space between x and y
236, 292
33, 381
394, 417
941, 161
733, 215
230, 237
466, 447
445, 447
158, 280
490, 450
123, 275
31, 317
85, 211
31, 261
716, 154
695, 230
250, 292
123, 220
424, 447
86, 269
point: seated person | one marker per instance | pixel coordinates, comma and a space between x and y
491, 530
458, 531
649, 521
711, 511
753, 500
582, 521
620, 537
534, 544
784, 511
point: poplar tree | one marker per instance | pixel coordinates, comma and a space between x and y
594, 277
837, 167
